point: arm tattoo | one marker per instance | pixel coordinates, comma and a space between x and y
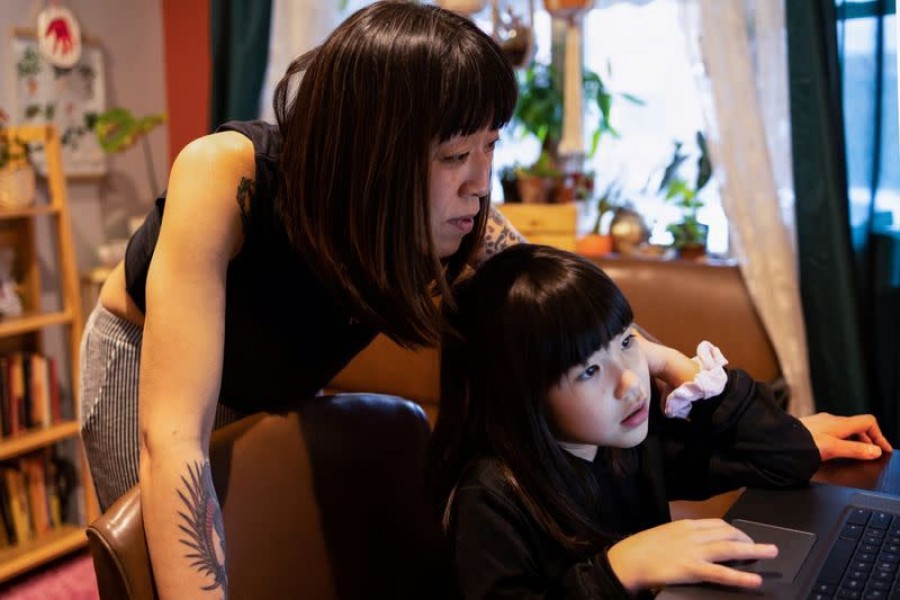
245, 192
201, 524
499, 235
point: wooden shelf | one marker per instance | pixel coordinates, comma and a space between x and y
36, 438
32, 322
27, 212
23, 557
18, 230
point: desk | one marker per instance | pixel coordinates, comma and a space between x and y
882, 475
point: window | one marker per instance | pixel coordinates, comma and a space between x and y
869, 52
638, 49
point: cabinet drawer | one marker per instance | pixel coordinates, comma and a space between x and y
563, 241
559, 218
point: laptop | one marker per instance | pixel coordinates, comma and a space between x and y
828, 537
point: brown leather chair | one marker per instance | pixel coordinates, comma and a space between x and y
679, 302
323, 501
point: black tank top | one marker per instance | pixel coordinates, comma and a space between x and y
285, 338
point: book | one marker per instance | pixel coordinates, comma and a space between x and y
18, 503
33, 468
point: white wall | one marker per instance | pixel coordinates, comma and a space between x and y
131, 34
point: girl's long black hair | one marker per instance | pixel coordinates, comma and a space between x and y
525, 318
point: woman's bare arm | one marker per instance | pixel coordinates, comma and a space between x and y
181, 363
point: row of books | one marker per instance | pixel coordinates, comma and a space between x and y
33, 493
29, 392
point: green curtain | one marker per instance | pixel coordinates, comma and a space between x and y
847, 181
240, 50
828, 288
867, 56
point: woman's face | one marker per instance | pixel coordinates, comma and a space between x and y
606, 401
460, 175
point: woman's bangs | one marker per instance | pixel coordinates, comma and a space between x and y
478, 91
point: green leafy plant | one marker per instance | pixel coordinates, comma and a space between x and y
544, 166
12, 149
685, 195
539, 111
118, 130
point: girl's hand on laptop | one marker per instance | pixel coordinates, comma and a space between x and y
846, 437
686, 551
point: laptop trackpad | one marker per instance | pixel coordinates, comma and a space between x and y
793, 546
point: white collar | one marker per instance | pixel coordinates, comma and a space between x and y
583, 451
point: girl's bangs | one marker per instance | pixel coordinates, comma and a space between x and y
581, 320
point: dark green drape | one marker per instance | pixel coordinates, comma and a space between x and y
240, 49
827, 278
846, 176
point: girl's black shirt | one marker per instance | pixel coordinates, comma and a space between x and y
741, 437
285, 336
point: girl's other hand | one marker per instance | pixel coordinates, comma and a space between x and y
831, 433
667, 364
687, 551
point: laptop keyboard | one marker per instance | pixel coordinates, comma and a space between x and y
864, 560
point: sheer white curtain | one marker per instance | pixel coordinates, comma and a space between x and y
742, 63
297, 26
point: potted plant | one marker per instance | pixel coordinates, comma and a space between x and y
117, 130
536, 182
539, 111
17, 178
599, 241
688, 234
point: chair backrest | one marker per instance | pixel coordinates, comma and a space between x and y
324, 501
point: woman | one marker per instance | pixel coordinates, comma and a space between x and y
278, 254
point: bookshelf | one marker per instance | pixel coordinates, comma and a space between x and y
25, 336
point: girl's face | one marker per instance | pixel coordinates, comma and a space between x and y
605, 401
460, 175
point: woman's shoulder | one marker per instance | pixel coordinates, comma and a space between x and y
264, 136
220, 151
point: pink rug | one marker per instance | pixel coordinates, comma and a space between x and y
70, 578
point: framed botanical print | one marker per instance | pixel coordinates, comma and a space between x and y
69, 98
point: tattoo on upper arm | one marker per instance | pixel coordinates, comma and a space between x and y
245, 191
201, 523
499, 235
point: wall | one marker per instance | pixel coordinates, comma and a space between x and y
131, 34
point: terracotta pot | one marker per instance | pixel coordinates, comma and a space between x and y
594, 244
692, 251
463, 7
555, 6
534, 189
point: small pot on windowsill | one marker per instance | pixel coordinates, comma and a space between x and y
690, 239
692, 251
534, 189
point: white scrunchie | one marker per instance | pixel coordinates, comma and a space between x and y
708, 382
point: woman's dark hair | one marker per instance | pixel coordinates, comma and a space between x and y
526, 317
388, 83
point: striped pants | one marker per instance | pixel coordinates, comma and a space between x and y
110, 361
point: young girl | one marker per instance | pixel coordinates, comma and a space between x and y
555, 459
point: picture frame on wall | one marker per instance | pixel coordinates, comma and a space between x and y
68, 98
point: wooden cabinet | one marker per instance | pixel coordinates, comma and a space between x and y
550, 224
35, 331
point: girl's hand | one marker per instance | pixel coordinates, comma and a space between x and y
667, 364
686, 551
831, 433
